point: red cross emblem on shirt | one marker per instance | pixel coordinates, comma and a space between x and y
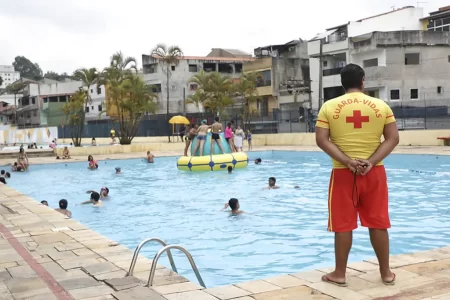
357, 119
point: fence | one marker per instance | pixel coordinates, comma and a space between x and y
417, 114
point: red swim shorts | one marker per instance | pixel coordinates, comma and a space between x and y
366, 197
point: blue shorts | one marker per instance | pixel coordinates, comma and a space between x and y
201, 137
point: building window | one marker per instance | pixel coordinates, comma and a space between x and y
156, 88
325, 63
87, 109
449, 58
35, 113
193, 87
45, 100
440, 90
33, 100
99, 90
92, 107
238, 68
53, 99
193, 68
395, 94
412, 58
414, 94
370, 62
92, 91
100, 108
263, 107
371, 93
172, 68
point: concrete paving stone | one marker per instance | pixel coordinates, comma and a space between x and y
123, 283
439, 297
89, 292
49, 296
350, 272
5, 294
191, 295
54, 269
83, 252
27, 287
53, 237
375, 276
257, 286
357, 284
100, 268
73, 263
4, 275
105, 297
57, 255
22, 272
363, 266
286, 281
138, 293
293, 293
44, 259
8, 265
8, 258
402, 260
68, 246
57, 229
177, 288
227, 292
400, 286
110, 275
428, 267
244, 298
338, 292
78, 283
310, 276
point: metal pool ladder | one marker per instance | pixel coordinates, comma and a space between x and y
166, 248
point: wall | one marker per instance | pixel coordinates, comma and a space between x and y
42, 135
97, 99
61, 88
358, 58
402, 19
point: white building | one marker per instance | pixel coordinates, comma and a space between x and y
9, 75
336, 44
94, 110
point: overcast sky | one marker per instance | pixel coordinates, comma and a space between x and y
63, 35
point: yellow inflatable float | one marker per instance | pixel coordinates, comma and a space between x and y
215, 162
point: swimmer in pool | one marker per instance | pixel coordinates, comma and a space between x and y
118, 170
63, 208
95, 200
150, 157
230, 169
233, 203
258, 161
44, 202
104, 192
272, 184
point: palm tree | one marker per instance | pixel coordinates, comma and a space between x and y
169, 56
219, 92
200, 96
246, 90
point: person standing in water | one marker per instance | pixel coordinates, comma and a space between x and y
150, 157
233, 203
201, 137
189, 137
215, 137
349, 130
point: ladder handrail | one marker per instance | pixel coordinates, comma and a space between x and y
167, 248
138, 249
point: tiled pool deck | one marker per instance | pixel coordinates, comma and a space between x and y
44, 256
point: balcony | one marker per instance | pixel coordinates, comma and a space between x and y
258, 65
261, 83
334, 71
264, 90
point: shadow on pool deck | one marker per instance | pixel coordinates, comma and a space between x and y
44, 256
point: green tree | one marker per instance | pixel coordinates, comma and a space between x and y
128, 96
201, 79
88, 77
74, 110
1, 80
245, 90
26, 68
169, 56
56, 76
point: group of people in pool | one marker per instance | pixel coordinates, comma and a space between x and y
233, 137
94, 200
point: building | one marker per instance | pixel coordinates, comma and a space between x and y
438, 20
180, 88
42, 103
283, 86
329, 52
9, 75
96, 109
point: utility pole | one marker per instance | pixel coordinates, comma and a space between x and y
321, 73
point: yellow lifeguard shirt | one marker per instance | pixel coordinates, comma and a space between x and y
356, 122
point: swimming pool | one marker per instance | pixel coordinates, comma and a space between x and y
284, 230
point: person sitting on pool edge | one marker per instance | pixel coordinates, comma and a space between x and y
104, 192
258, 161
233, 203
63, 208
272, 182
95, 200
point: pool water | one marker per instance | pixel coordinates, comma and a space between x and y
284, 230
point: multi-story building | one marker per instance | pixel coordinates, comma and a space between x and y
438, 20
42, 103
95, 109
331, 51
180, 87
9, 75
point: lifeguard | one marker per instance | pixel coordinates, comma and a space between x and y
349, 129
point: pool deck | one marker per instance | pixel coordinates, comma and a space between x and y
45, 256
